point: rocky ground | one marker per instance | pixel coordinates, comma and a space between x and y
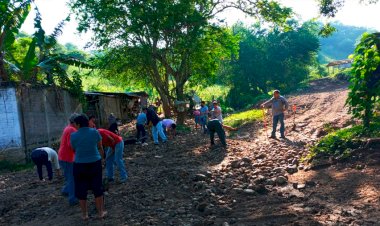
255, 181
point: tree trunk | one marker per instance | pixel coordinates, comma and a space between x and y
180, 97
3, 73
166, 106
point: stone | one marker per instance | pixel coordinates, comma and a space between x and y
291, 169
261, 156
225, 224
249, 191
199, 177
301, 186
281, 180
202, 207
311, 183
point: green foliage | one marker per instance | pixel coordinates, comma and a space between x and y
6, 166
365, 80
271, 59
242, 118
342, 142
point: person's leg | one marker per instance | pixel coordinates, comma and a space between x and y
211, 130
161, 132
83, 208
155, 134
49, 169
138, 132
119, 149
39, 171
143, 132
81, 186
71, 185
110, 158
221, 135
282, 123
36, 158
65, 188
275, 121
96, 187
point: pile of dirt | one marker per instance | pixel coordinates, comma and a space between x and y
255, 181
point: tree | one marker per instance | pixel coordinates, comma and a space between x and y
271, 59
365, 80
13, 14
167, 41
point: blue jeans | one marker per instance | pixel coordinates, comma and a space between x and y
158, 130
117, 158
277, 118
69, 186
204, 123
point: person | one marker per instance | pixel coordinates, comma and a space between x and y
66, 161
216, 112
204, 116
87, 169
215, 126
140, 127
169, 127
197, 117
91, 122
114, 154
48, 157
279, 106
157, 130
112, 122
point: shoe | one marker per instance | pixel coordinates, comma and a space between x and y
273, 137
110, 180
138, 142
164, 142
74, 203
122, 181
144, 144
282, 137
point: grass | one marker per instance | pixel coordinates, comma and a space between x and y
6, 166
242, 118
343, 142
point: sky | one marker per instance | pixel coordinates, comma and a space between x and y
353, 13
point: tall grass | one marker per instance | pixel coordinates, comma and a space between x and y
242, 118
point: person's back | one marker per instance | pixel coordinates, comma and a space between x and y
109, 139
141, 118
152, 117
85, 143
66, 152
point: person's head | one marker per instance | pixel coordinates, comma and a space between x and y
72, 117
91, 118
215, 103
203, 103
173, 126
81, 121
276, 93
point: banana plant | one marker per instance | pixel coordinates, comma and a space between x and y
12, 15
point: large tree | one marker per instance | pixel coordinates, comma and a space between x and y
168, 41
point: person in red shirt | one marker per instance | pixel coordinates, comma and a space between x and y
114, 153
91, 122
66, 161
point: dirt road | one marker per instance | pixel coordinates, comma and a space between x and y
255, 181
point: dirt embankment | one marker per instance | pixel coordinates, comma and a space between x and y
255, 181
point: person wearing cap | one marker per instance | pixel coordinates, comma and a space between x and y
216, 112
48, 157
66, 160
279, 105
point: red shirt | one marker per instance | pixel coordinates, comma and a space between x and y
66, 152
109, 139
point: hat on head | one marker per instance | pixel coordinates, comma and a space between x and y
276, 91
214, 102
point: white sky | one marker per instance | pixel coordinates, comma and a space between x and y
353, 13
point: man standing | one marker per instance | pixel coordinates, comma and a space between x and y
215, 126
157, 129
216, 112
66, 160
279, 106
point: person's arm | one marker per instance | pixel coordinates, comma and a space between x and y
267, 103
56, 163
100, 148
286, 104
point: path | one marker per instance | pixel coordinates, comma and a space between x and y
253, 182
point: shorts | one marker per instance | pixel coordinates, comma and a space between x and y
88, 176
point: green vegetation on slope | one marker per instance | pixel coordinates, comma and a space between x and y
242, 118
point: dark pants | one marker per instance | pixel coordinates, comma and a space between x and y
276, 119
88, 176
40, 158
214, 126
141, 133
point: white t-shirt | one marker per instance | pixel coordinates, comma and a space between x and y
168, 123
52, 156
216, 113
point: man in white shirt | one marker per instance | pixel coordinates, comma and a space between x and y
48, 157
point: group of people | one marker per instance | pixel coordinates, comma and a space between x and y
83, 151
84, 148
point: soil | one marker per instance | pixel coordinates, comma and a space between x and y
255, 181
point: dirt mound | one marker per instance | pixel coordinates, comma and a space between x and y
256, 181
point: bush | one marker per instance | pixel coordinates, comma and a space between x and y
242, 118
342, 142
6, 166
